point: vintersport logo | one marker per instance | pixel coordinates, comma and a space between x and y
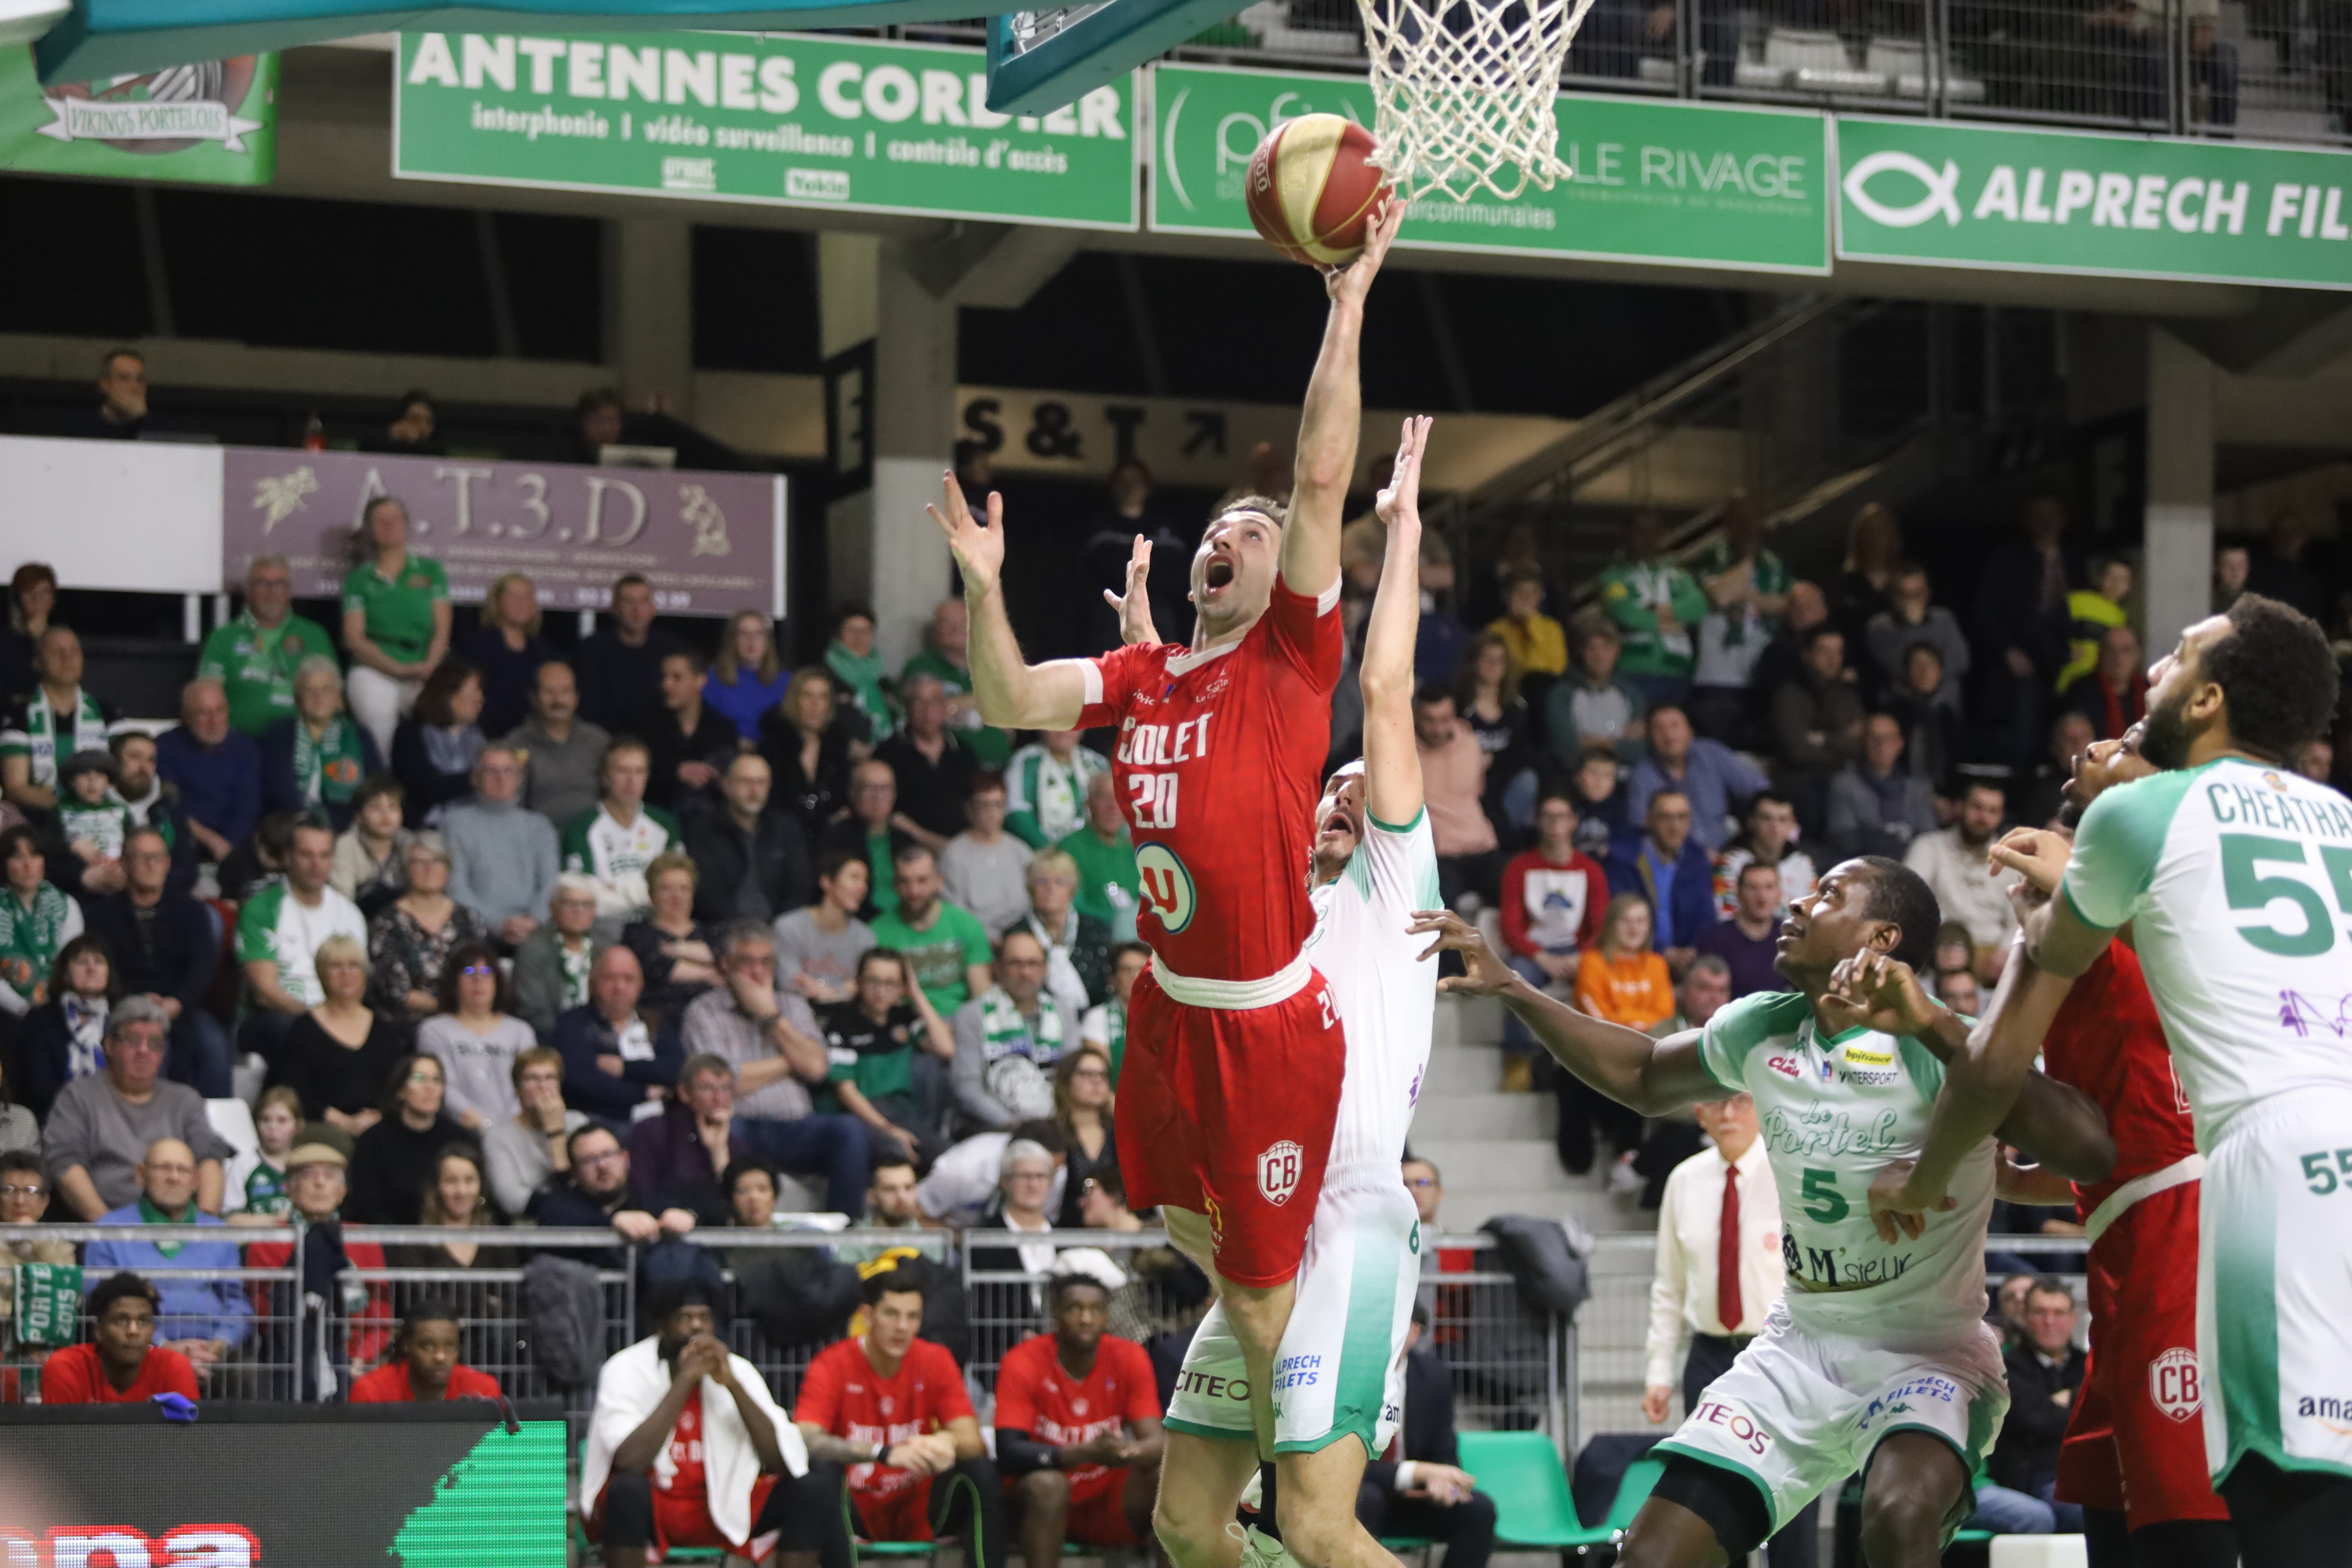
1941, 189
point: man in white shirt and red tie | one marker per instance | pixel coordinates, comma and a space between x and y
1719, 1270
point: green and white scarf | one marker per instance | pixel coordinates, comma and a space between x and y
576, 968
48, 1304
1019, 1070
29, 938
330, 768
50, 739
863, 675
1114, 1014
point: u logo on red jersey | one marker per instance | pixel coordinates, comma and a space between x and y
1167, 886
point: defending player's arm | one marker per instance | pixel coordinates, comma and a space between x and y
2057, 1125
1329, 421
2058, 938
1013, 694
1653, 1077
1392, 790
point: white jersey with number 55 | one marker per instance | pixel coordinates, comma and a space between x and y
2236, 881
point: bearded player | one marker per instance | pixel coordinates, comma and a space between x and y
1235, 1054
1335, 1392
2235, 874
2134, 1451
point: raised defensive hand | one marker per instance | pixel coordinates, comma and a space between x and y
1134, 607
979, 550
1878, 993
1486, 974
2036, 854
1354, 281
1399, 504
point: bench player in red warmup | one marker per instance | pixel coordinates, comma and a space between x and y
2134, 1451
1231, 1084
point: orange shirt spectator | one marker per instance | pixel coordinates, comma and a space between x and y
1620, 979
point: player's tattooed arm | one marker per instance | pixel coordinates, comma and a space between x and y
1013, 694
1329, 421
1653, 1077
1392, 786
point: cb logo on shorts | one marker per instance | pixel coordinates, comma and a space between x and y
1279, 1170
2174, 1384
1167, 886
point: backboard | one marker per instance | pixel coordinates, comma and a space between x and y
1040, 61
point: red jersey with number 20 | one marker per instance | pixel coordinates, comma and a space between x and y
1219, 763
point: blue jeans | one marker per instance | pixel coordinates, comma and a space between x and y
2007, 1512
1517, 1038
832, 1148
200, 1056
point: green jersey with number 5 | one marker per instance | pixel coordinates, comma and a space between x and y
2237, 880
1834, 1109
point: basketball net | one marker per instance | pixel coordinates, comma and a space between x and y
1465, 90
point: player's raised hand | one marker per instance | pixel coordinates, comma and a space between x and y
1399, 506
979, 550
2036, 854
1895, 1211
1134, 607
1484, 976
1351, 283
1879, 993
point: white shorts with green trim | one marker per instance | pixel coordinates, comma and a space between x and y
1339, 1367
1800, 1411
2273, 1256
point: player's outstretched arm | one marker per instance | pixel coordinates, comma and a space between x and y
1134, 607
1653, 1077
1392, 791
1014, 693
2057, 937
1328, 423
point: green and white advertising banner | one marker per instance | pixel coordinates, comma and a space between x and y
781, 119
1682, 184
211, 122
1944, 194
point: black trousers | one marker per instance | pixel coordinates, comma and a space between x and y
2283, 1518
1466, 1527
967, 1501
629, 1510
1797, 1544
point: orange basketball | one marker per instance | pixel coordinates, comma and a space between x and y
1312, 189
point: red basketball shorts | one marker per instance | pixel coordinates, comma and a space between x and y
1228, 1112
903, 1515
687, 1522
2135, 1443
1098, 1515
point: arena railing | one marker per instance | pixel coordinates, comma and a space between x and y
2264, 73
1514, 1368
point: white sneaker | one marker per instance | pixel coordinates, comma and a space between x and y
1254, 1494
1624, 1179
1260, 1550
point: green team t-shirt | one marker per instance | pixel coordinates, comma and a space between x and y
597, 844
255, 666
1834, 1110
2236, 881
399, 608
939, 956
276, 927
1108, 884
990, 744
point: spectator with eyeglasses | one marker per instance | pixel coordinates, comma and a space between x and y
101, 1126
25, 1201
533, 1146
202, 1320
477, 1038
596, 1194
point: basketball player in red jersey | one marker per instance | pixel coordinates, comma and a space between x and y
2135, 1451
1230, 1088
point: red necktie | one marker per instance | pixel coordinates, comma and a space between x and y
1727, 1305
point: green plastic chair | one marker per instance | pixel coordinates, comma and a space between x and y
1522, 1472
1633, 1492
1400, 1546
